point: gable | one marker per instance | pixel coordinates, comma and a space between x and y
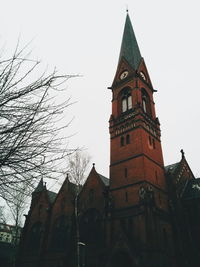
64, 201
123, 66
91, 195
178, 175
39, 212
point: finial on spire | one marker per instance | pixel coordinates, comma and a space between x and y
182, 153
126, 8
93, 164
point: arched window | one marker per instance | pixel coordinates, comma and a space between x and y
90, 227
146, 104
35, 236
91, 195
126, 99
61, 233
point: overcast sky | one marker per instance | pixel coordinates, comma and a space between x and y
84, 37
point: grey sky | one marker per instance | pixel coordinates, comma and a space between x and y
84, 37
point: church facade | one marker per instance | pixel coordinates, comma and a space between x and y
144, 215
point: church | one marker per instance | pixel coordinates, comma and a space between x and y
144, 215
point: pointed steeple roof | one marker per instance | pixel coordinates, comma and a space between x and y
129, 47
40, 186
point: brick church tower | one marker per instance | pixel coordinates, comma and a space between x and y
144, 215
138, 188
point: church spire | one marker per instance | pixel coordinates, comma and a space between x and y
129, 47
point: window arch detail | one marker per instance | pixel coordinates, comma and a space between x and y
61, 233
126, 100
90, 227
35, 236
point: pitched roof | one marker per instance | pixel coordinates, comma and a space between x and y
172, 168
52, 196
104, 179
192, 190
39, 187
129, 47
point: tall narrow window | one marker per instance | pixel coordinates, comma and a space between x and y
154, 144
40, 209
156, 175
144, 105
150, 141
91, 195
126, 197
129, 100
124, 105
125, 172
165, 239
122, 141
128, 139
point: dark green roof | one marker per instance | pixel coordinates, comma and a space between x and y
192, 189
104, 179
39, 187
52, 196
129, 47
171, 168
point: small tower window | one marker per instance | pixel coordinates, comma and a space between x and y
126, 196
125, 173
40, 209
146, 103
154, 144
150, 141
156, 175
128, 139
122, 141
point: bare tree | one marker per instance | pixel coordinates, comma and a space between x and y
16, 210
2, 215
77, 165
31, 146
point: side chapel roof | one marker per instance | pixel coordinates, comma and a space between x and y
192, 190
104, 179
52, 196
172, 168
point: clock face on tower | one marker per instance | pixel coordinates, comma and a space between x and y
123, 75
